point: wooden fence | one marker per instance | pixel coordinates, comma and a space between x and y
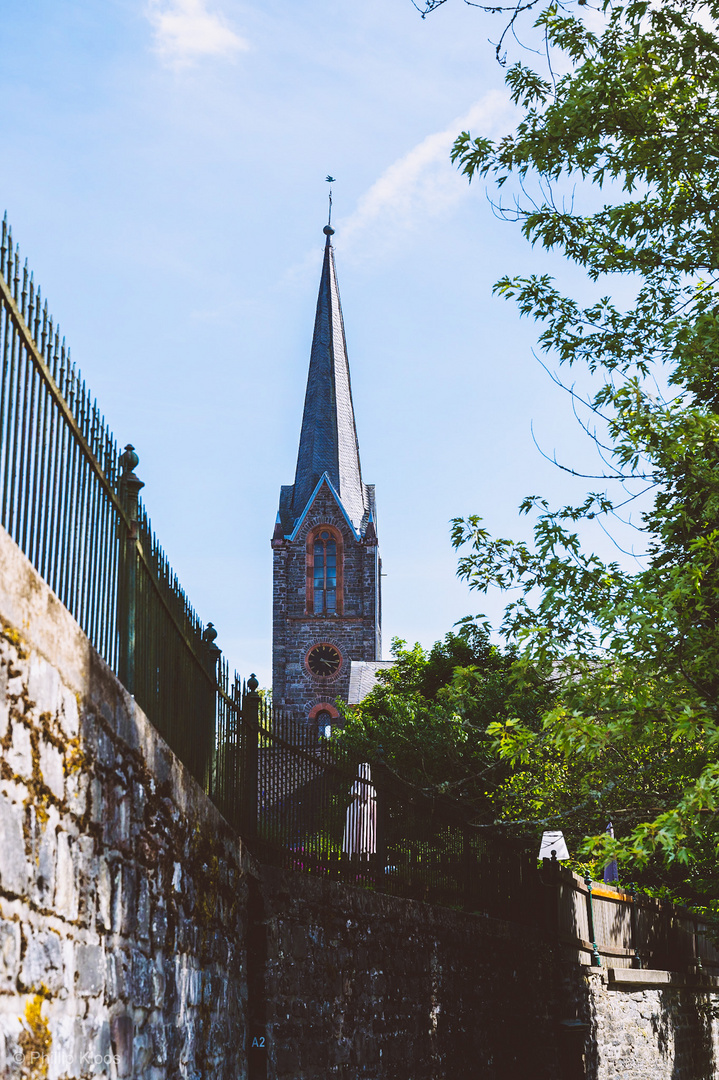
616, 928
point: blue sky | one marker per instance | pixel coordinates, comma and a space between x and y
163, 167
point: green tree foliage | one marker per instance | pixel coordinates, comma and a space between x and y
633, 655
429, 716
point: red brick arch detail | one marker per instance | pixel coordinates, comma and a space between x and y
323, 706
337, 536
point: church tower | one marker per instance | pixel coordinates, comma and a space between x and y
327, 570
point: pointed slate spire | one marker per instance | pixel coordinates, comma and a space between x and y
328, 441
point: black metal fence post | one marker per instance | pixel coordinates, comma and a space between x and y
213, 655
130, 487
250, 738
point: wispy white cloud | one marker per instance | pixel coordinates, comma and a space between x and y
186, 31
422, 183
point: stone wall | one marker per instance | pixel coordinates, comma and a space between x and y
652, 1025
365, 985
122, 892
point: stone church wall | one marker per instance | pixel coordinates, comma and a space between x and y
354, 633
139, 941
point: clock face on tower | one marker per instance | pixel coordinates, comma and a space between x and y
323, 660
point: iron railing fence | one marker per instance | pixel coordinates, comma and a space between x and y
303, 802
58, 460
70, 500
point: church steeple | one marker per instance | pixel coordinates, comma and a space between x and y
327, 573
328, 440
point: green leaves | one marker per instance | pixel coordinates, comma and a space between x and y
630, 652
433, 712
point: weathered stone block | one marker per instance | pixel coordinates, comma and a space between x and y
287, 1061
105, 749
97, 801
19, 754
142, 1051
43, 685
16, 685
118, 898
122, 1029
65, 887
298, 946
42, 963
159, 926
104, 895
52, 768
118, 822
158, 985
142, 928
9, 953
89, 970
194, 988
47, 860
141, 981
13, 862
58, 871
61, 1062
93, 1047
4, 703
159, 1044
69, 715
128, 922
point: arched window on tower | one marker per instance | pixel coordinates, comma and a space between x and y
324, 571
324, 723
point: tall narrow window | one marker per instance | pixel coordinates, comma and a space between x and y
325, 574
325, 558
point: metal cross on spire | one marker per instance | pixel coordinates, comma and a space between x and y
330, 180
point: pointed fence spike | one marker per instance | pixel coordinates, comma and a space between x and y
23, 294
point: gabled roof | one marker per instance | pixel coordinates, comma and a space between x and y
324, 479
328, 440
363, 678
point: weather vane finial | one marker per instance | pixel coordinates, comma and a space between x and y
330, 180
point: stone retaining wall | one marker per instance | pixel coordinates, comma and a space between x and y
366, 985
122, 891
